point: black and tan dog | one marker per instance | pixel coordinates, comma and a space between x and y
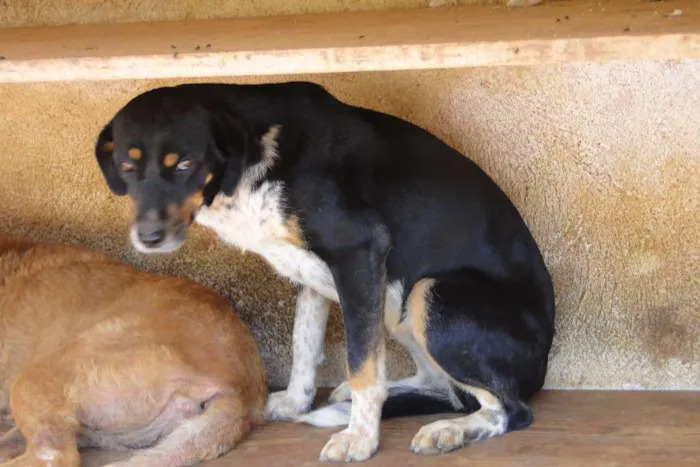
361, 208
98, 354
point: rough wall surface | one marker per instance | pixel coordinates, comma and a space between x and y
17, 13
603, 160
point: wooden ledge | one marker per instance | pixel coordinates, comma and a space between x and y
571, 428
554, 32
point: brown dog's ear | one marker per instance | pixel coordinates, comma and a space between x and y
236, 146
103, 152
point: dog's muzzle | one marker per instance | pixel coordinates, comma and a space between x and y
153, 234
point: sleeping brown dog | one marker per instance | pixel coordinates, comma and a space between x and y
98, 354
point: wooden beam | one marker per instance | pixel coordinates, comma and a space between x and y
481, 35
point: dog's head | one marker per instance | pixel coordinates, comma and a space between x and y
171, 150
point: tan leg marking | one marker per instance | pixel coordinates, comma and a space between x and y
360, 440
401, 332
366, 376
428, 373
134, 154
170, 159
208, 179
446, 435
418, 304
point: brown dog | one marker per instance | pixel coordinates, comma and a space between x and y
95, 353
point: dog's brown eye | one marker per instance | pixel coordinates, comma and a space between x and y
185, 164
127, 166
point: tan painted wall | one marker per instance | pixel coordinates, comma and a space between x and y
603, 160
14, 13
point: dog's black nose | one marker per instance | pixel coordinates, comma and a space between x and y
152, 238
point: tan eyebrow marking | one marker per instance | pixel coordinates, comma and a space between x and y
170, 159
134, 153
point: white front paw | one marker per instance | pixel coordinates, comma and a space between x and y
342, 393
284, 405
348, 446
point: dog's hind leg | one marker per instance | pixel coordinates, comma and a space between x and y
426, 377
492, 419
222, 424
492, 341
45, 416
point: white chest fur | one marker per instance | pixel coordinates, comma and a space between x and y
253, 220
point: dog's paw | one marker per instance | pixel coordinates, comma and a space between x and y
437, 438
349, 447
283, 406
341, 394
7, 454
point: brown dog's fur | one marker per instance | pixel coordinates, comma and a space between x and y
95, 353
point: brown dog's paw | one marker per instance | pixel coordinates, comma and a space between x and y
9, 453
12, 445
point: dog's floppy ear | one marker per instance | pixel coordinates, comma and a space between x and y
103, 152
236, 145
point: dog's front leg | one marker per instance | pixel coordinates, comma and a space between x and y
307, 353
360, 277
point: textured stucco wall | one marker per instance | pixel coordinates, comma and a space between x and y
603, 160
14, 13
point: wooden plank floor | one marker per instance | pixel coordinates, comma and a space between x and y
571, 428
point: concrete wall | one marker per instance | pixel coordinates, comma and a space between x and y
603, 160
15, 13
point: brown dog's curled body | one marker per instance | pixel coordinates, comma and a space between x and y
98, 354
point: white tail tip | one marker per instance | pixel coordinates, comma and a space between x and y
333, 415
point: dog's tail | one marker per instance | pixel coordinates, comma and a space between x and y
401, 402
